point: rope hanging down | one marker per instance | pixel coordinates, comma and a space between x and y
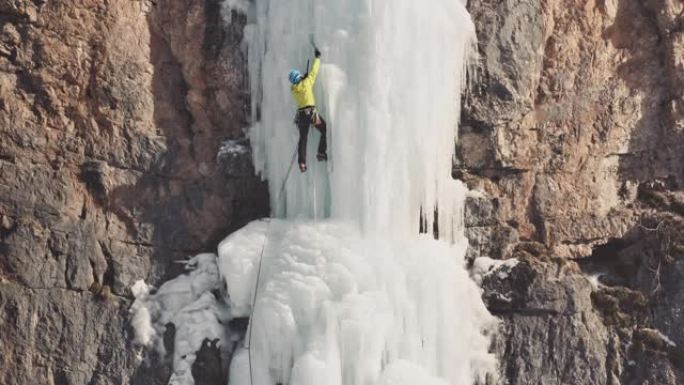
263, 247
258, 277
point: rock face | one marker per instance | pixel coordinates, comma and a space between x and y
550, 332
574, 133
112, 116
573, 108
122, 150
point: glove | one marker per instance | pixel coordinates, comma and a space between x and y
317, 53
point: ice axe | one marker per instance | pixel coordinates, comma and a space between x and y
313, 44
312, 41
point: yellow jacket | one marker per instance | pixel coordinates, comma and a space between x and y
303, 91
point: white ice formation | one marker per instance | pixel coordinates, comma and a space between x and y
349, 292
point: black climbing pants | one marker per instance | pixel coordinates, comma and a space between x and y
306, 117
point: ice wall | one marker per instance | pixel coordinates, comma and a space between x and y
357, 296
343, 290
390, 87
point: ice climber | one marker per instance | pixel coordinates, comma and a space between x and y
307, 114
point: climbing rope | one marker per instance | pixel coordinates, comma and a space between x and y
258, 277
254, 297
287, 176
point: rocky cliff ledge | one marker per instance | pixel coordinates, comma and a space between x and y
113, 114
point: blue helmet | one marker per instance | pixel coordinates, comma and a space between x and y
295, 76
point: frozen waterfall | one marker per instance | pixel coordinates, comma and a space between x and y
342, 289
390, 86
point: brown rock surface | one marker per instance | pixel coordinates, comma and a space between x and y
577, 104
574, 132
111, 116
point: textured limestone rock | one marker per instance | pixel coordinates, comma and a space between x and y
576, 104
550, 331
60, 336
111, 116
486, 237
573, 134
641, 297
